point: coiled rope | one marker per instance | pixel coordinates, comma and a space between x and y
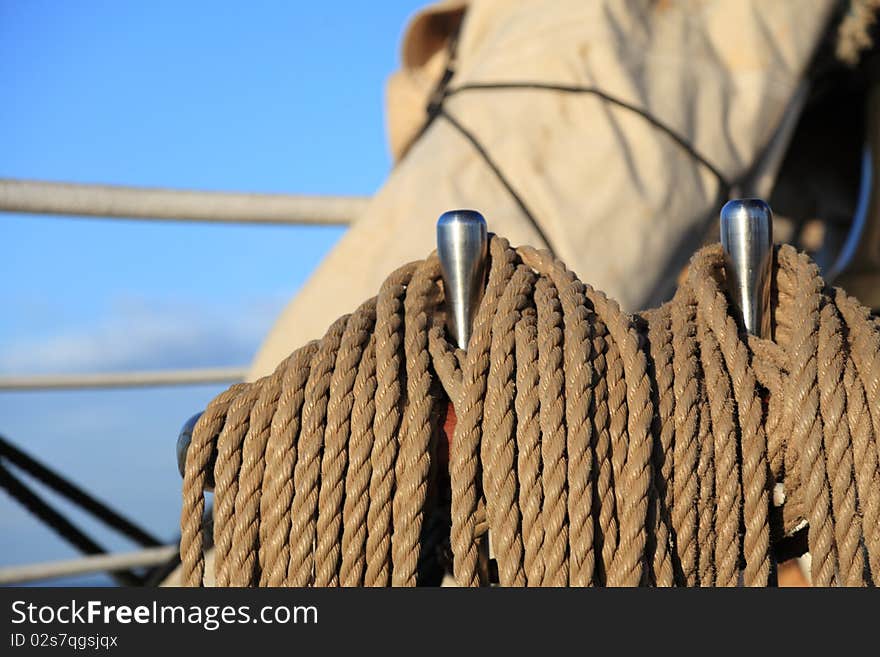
854, 33
591, 447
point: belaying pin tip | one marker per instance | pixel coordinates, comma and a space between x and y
462, 246
747, 242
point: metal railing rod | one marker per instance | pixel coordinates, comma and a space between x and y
146, 558
123, 379
87, 200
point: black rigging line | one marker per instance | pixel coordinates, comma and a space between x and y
595, 91
442, 92
58, 523
75, 494
471, 137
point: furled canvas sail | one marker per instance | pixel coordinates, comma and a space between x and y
618, 183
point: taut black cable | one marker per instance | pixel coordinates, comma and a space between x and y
76, 495
595, 91
58, 523
436, 108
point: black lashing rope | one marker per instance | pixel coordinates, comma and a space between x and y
442, 91
58, 523
19, 491
608, 98
77, 495
467, 134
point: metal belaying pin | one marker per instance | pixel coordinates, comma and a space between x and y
462, 245
183, 441
747, 241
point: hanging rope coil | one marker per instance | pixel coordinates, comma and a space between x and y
854, 31
591, 447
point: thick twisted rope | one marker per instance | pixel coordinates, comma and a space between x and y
590, 447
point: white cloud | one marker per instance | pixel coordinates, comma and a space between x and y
145, 334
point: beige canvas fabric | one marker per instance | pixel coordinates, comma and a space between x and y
617, 198
424, 59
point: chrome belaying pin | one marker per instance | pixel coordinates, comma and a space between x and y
747, 241
462, 246
183, 441
184, 438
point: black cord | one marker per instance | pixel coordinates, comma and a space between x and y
436, 108
467, 134
595, 91
76, 495
58, 523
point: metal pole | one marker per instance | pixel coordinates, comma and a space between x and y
123, 379
145, 558
82, 200
747, 241
184, 439
462, 246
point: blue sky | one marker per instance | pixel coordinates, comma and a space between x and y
258, 96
